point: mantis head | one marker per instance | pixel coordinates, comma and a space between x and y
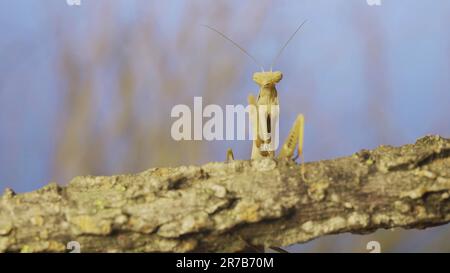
267, 79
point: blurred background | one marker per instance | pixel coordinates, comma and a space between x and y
89, 89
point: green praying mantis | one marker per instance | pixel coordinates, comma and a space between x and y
262, 114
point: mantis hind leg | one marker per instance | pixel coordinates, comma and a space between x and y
295, 139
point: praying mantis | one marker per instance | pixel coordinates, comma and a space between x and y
263, 112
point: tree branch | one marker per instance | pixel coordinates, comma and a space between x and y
229, 206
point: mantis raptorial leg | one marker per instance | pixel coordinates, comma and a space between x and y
295, 138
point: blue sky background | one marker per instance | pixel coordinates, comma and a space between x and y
362, 75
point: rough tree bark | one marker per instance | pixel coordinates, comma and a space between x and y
228, 206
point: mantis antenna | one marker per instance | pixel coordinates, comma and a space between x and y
285, 45
234, 43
